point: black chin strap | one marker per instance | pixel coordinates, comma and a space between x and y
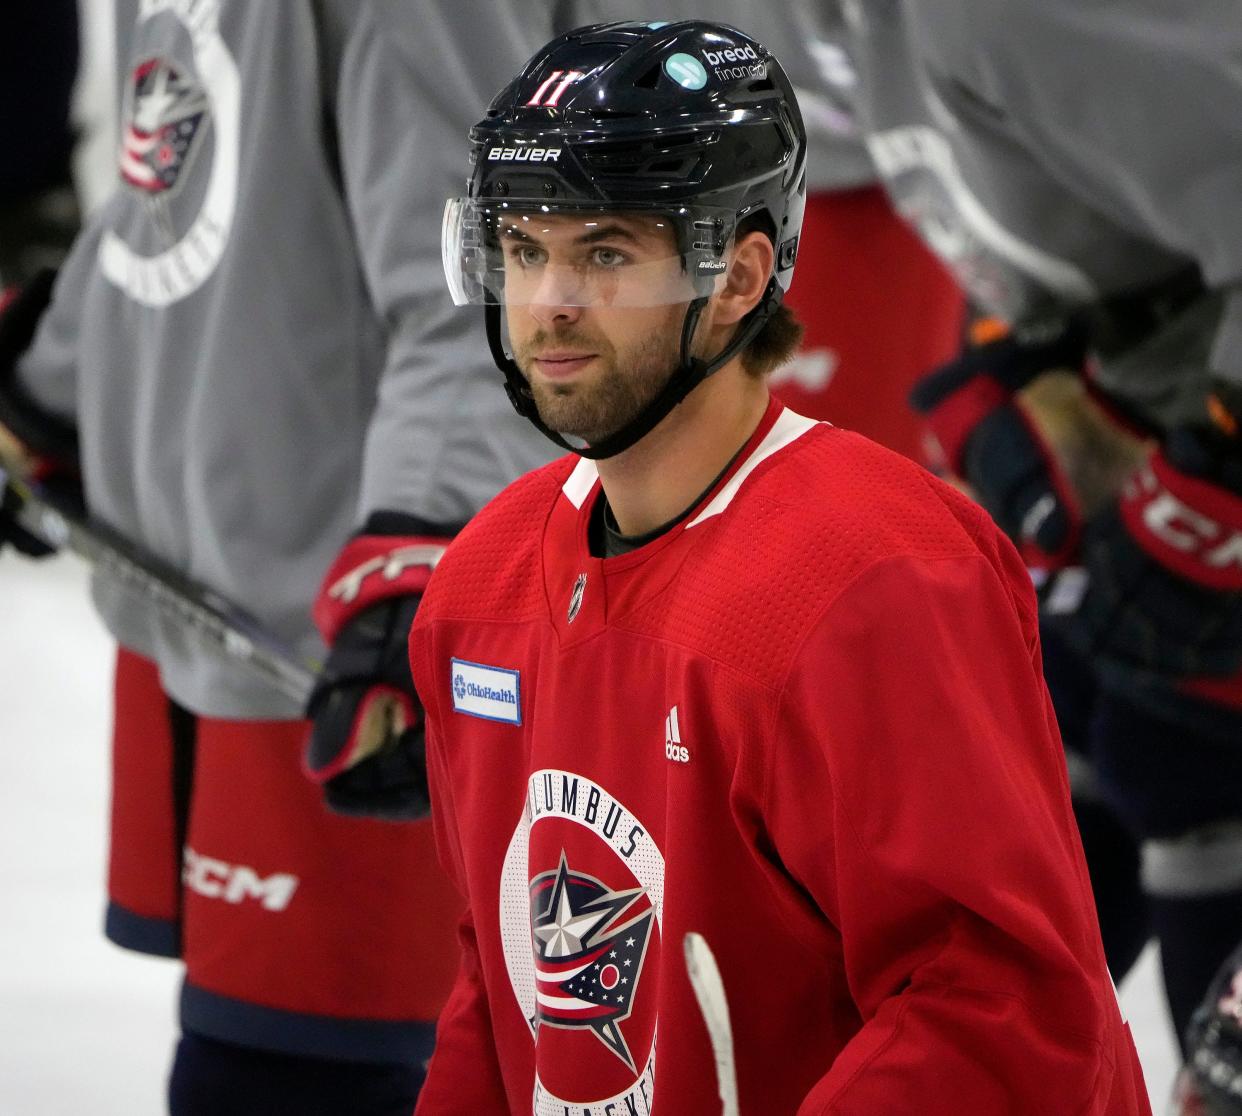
689, 374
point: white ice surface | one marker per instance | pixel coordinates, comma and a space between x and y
86, 1027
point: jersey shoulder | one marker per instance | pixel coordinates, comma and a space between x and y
844, 501
492, 567
800, 530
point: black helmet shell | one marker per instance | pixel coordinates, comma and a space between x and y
651, 115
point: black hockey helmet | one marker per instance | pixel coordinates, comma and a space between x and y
694, 122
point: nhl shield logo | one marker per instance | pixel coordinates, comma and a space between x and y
575, 598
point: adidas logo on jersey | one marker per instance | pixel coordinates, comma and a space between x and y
673, 747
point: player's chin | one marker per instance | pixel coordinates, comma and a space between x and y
557, 411
556, 401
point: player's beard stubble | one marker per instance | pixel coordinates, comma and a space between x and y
614, 392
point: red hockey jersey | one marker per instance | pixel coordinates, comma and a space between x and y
809, 723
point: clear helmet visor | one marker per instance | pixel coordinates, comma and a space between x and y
526, 252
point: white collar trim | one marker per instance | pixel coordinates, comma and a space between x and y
578, 484
788, 428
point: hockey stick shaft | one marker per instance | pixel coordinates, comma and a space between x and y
709, 991
219, 623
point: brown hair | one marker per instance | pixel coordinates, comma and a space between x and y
774, 344
781, 334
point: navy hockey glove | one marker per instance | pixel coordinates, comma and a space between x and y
12, 533
62, 487
989, 440
35, 445
366, 744
1165, 569
1210, 1084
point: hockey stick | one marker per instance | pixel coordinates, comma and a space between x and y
221, 624
709, 991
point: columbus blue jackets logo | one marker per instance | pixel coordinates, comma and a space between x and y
589, 942
167, 113
174, 100
576, 945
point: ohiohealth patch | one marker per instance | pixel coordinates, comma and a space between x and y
492, 693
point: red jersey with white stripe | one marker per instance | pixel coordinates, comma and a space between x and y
808, 722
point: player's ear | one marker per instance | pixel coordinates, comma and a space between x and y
750, 268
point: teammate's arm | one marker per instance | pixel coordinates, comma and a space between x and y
366, 744
917, 728
1171, 174
440, 442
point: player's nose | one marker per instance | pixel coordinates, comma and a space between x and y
559, 296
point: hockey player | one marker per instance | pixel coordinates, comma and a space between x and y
1079, 169
725, 669
264, 387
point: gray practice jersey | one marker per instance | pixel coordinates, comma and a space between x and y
1057, 153
253, 335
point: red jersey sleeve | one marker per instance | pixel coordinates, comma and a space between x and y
917, 792
463, 1078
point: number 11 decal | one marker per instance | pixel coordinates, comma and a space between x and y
562, 80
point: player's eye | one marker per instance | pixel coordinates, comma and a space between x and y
608, 258
525, 255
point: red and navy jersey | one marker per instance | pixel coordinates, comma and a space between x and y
809, 723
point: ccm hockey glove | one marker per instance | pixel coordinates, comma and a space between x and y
366, 744
1165, 568
989, 440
